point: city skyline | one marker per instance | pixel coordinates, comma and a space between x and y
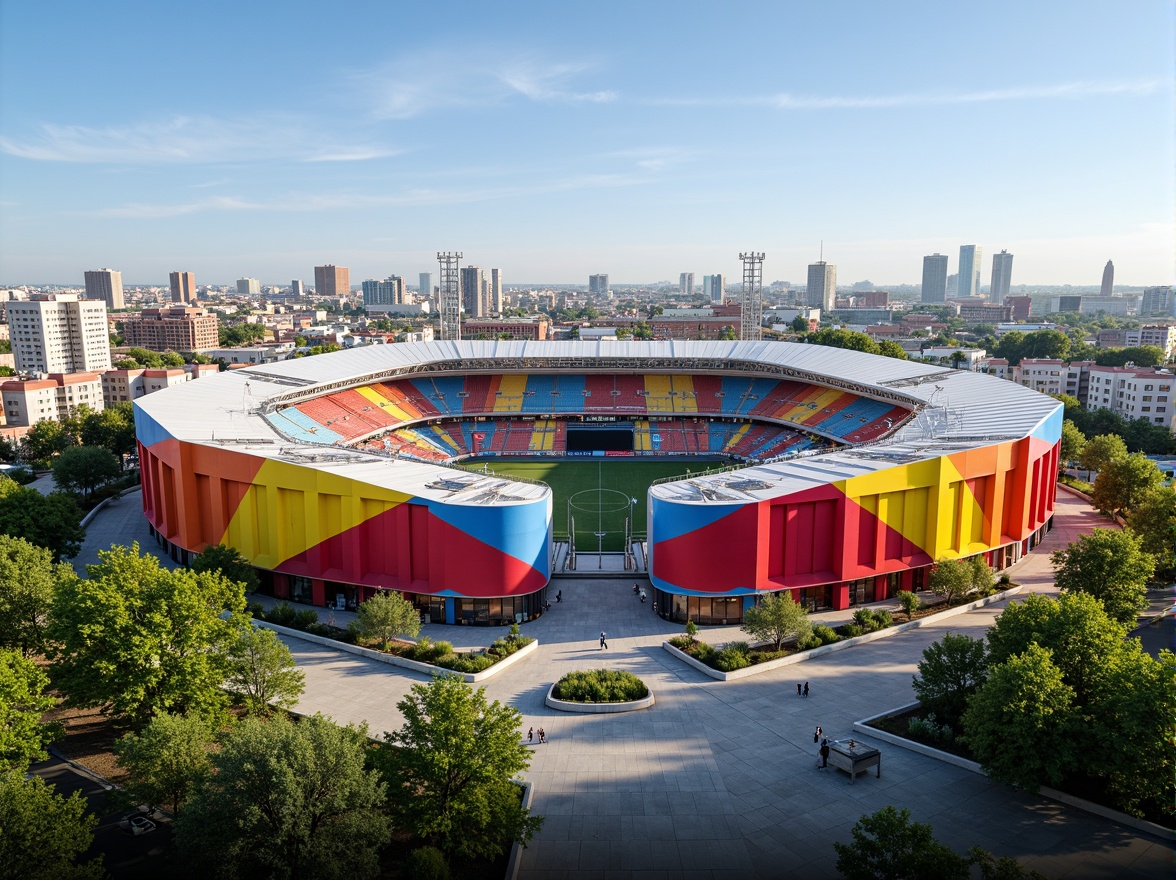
592, 154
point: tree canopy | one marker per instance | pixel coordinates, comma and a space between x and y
1112, 566
46, 439
450, 773
287, 799
951, 670
23, 736
52, 521
137, 639
1101, 450
1153, 519
262, 672
953, 579
386, 615
28, 582
166, 760
44, 833
837, 338
776, 618
887, 845
229, 562
84, 468
1123, 482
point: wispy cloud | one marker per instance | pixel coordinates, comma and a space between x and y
654, 158
787, 101
351, 201
441, 80
186, 140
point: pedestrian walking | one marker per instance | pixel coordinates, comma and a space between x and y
559, 597
530, 734
806, 689
817, 734
603, 641
824, 753
636, 589
542, 735
798, 688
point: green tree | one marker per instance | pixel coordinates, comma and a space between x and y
800, 324
84, 469
229, 562
385, 616
838, 338
1153, 519
137, 639
1112, 566
890, 348
1011, 347
150, 359
46, 439
776, 618
1048, 344
1004, 868
1140, 355
23, 737
910, 602
887, 845
728, 332
167, 760
52, 521
44, 833
290, 800
450, 773
951, 670
1020, 724
1143, 435
262, 672
1100, 451
172, 359
1073, 441
1124, 482
112, 429
28, 581
953, 579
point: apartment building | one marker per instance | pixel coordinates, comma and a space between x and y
1052, 376
176, 328
515, 328
1133, 393
1159, 335
59, 333
28, 402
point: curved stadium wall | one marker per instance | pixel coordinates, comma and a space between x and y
942, 463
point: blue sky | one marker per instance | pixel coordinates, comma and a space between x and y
560, 139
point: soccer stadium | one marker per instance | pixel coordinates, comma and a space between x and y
466, 475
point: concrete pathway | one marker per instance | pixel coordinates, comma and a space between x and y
718, 780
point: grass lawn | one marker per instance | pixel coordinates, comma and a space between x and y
628, 477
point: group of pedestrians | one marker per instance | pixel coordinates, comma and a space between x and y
532, 733
802, 691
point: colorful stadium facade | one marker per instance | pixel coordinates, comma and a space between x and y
328, 473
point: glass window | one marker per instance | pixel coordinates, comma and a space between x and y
300, 590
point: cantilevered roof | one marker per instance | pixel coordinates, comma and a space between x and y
953, 408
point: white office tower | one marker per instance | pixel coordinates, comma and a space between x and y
297, 288
106, 285
59, 333
248, 287
714, 287
934, 279
822, 286
686, 284
968, 282
1002, 276
425, 285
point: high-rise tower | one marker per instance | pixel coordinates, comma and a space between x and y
598, 285
332, 281
822, 285
934, 278
1002, 276
425, 286
495, 303
686, 284
971, 256
106, 285
471, 292
1108, 282
713, 287
183, 287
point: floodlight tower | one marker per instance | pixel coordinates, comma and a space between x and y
449, 304
751, 311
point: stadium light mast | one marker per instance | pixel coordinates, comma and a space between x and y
751, 311
449, 304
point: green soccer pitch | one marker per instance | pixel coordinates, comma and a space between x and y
579, 480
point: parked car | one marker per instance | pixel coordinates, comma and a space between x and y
125, 822
141, 825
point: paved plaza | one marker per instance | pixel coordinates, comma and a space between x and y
719, 779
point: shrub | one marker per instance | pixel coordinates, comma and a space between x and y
281, 614
514, 630
305, 617
929, 729
810, 641
850, 630
691, 629
910, 602
255, 609
22, 475
825, 634
465, 662
426, 863
864, 618
321, 629
682, 643
732, 656
600, 686
883, 619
